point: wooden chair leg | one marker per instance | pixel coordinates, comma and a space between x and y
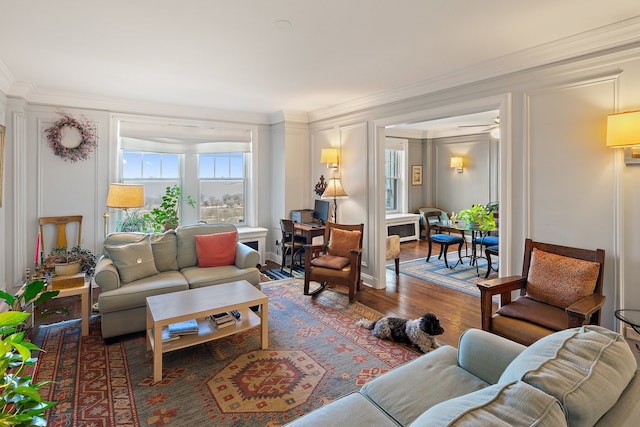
397, 260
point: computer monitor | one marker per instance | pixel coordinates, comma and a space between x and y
321, 211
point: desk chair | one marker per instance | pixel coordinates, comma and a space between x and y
61, 231
291, 244
444, 240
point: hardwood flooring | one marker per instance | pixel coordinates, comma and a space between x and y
408, 297
404, 296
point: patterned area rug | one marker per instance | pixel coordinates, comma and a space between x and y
462, 278
316, 354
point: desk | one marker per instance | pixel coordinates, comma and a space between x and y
307, 231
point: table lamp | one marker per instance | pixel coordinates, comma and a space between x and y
123, 196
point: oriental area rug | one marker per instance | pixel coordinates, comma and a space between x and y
316, 354
463, 277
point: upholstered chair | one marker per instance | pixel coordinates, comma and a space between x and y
393, 250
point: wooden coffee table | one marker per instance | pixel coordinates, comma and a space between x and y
198, 304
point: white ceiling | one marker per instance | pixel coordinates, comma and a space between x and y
238, 55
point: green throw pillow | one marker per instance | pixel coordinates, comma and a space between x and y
165, 250
134, 261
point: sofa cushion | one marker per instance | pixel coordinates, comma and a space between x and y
351, 410
510, 404
585, 368
215, 250
559, 280
133, 261
187, 255
200, 277
165, 250
409, 390
342, 241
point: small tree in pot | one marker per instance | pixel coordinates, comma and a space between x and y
478, 217
165, 216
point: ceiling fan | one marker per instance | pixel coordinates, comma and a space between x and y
493, 128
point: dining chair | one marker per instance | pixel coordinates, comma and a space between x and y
423, 215
444, 240
489, 251
61, 232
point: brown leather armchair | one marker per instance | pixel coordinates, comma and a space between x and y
337, 261
560, 288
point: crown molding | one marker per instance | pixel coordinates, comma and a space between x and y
598, 40
35, 96
6, 78
300, 117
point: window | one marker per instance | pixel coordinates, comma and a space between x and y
211, 165
222, 187
395, 175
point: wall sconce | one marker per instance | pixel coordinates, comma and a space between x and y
623, 131
123, 196
456, 162
330, 157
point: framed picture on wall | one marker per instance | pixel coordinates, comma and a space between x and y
416, 175
2, 132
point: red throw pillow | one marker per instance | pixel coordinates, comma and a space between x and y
217, 249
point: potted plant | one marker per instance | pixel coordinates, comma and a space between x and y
20, 400
71, 261
165, 216
478, 217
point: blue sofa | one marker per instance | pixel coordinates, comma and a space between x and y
577, 377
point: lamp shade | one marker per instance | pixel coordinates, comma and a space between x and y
623, 129
456, 162
334, 189
125, 196
329, 155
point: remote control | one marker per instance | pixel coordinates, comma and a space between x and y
235, 313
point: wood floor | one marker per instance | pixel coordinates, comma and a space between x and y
409, 297
404, 296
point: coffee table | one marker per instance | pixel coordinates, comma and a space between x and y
198, 304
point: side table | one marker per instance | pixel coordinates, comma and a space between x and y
631, 317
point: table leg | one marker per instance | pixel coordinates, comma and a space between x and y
85, 302
264, 325
157, 355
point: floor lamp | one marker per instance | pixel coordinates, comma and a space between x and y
123, 196
334, 190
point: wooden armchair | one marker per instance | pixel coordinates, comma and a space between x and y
560, 288
337, 261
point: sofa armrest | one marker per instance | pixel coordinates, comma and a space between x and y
246, 257
106, 275
486, 355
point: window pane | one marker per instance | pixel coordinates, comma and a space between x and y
206, 166
170, 166
222, 201
131, 165
221, 167
152, 166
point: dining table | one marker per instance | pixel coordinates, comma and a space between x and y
462, 227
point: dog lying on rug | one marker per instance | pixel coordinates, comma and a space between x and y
419, 332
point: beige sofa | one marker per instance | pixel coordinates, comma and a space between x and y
137, 265
577, 377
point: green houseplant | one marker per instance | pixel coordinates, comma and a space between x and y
478, 217
165, 216
20, 400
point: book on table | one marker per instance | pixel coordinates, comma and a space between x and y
188, 327
166, 335
225, 324
220, 318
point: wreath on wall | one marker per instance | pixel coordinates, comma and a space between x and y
78, 152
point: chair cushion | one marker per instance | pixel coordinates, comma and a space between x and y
342, 241
559, 280
393, 247
446, 238
536, 312
487, 240
494, 406
215, 250
133, 261
165, 250
330, 261
585, 368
